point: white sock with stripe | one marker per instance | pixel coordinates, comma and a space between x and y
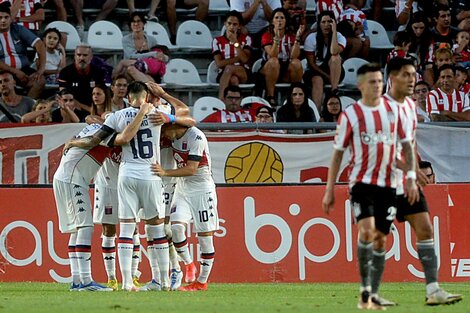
108, 249
207, 257
73, 259
125, 249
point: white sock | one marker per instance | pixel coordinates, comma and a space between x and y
174, 264
83, 253
108, 249
73, 259
207, 257
125, 248
136, 255
152, 254
160, 244
181, 244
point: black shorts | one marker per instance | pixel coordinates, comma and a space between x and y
310, 73
404, 208
379, 202
284, 67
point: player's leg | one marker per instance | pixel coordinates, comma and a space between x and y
128, 208
73, 262
206, 222
136, 258
108, 249
420, 221
153, 213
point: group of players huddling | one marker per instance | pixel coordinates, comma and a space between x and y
148, 163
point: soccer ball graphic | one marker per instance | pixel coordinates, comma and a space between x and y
253, 162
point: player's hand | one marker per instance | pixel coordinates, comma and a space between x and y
155, 89
157, 170
159, 118
411, 191
423, 180
328, 201
146, 107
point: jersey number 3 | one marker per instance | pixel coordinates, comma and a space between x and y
142, 148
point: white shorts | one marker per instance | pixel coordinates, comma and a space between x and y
168, 193
202, 208
73, 206
106, 206
135, 194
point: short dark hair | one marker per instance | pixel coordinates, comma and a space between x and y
136, 87
401, 38
120, 76
3, 72
426, 164
461, 69
64, 91
422, 82
396, 64
5, 7
236, 14
52, 30
232, 88
368, 68
446, 67
140, 15
440, 7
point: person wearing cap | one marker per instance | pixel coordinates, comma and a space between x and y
14, 42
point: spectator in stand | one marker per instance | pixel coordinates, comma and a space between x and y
119, 90
461, 12
402, 43
151, 17
446, 103
12, 105
28, 13
281, 52
41, 113
257, 15
296, 108
14, 42
202, 9
322, 50
426, 168
60, 9
421, 42
105, 6
420, 96
142, 60
461, 49
81, 76
403, 11
331, 109
334, 6
461, 78
264, 114
297, 14
101, 105
441, 56
68, 110
443, 32
233, 112
358, 45
232, 53
55, 55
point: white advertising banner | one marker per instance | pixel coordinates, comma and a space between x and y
30, 155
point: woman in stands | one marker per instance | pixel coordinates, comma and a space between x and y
322, 50
102, 104
296, 108
232, 53
281, 52
331, 109
138, 47
421, 41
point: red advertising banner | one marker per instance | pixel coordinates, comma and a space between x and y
268, 234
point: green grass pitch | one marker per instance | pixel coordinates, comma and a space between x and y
246, 298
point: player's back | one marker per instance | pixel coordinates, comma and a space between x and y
143, 150
78, 166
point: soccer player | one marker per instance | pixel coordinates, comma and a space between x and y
402, 75
195, 197
71, 185
370, 129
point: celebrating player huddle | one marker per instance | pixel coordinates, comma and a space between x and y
140, 192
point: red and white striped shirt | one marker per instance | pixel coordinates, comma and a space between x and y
221, 45
336, 6
357, 16
371, 135
439, 101
409, 110
285, 46
28, 8
225, 116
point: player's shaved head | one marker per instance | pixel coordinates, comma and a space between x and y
367, 68
137, 91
